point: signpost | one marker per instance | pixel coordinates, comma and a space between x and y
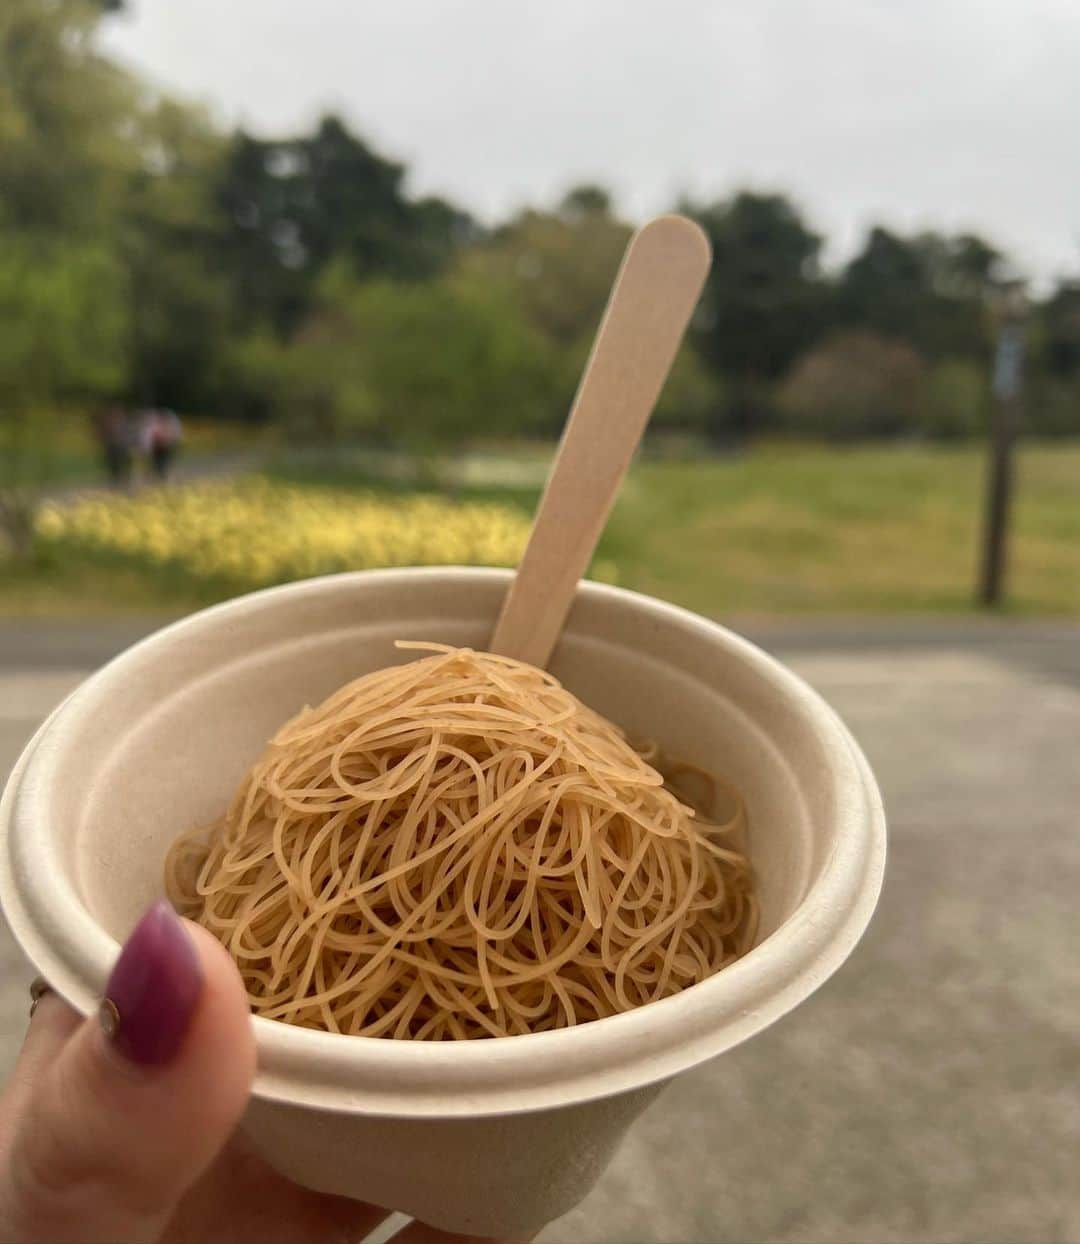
1008, 366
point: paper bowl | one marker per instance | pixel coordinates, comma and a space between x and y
489, 1136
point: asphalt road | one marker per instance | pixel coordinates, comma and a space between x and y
931, 1091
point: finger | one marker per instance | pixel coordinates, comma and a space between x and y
135, 1105
51, 1027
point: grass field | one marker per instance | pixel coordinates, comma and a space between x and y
779, 530
846, 531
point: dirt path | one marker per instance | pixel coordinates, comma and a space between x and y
187, 469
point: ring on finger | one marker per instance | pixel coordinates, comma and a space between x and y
39, 987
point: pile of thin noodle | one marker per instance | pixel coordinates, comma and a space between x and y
457, 847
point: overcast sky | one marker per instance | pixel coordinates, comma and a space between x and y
947, 113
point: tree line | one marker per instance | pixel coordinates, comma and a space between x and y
149, 257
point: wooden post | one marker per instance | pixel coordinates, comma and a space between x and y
1000, 479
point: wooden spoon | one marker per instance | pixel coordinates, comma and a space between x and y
650, 305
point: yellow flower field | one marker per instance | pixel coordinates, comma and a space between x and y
253, 531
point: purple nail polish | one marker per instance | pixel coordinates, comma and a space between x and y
153, 990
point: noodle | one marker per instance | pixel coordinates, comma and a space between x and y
457, 847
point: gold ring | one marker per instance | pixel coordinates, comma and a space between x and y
39, 987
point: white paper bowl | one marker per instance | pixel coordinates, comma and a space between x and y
489, 1136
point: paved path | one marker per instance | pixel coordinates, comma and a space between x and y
188, 467
931, 1091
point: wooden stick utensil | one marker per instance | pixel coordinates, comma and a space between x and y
654, 294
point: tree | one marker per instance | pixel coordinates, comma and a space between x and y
931, 290
250, 380
964, 266
63, 312
169, 231
557, 266
555, 269
292, 206
65, 315
1058, 324
694, 399
763, 303
63, 291
585, 200
423, 366
63, 156
1052, 395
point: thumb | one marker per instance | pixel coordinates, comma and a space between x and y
111, 1132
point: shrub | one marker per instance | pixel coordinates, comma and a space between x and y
1051, 407
854, 384
954, 399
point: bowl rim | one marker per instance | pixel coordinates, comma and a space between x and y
506, 1075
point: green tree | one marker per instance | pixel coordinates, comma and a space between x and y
169, 231
294, 205
425, 367
1052, 392
961, 266
250, 379
764, 303
1051, 406
557, 266
63, 331
65, 315
1058, 327
63, 291
64, 159
932, 290
694, 399
323, 390
585, 200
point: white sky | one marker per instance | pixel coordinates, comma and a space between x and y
945, 113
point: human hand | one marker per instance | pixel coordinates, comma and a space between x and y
121, 1129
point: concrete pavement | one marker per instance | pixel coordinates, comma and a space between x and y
930, 1091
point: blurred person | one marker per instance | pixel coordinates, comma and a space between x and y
116, 436
122, 1127
160, 433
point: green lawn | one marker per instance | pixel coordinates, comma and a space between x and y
836, 531
778, 530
